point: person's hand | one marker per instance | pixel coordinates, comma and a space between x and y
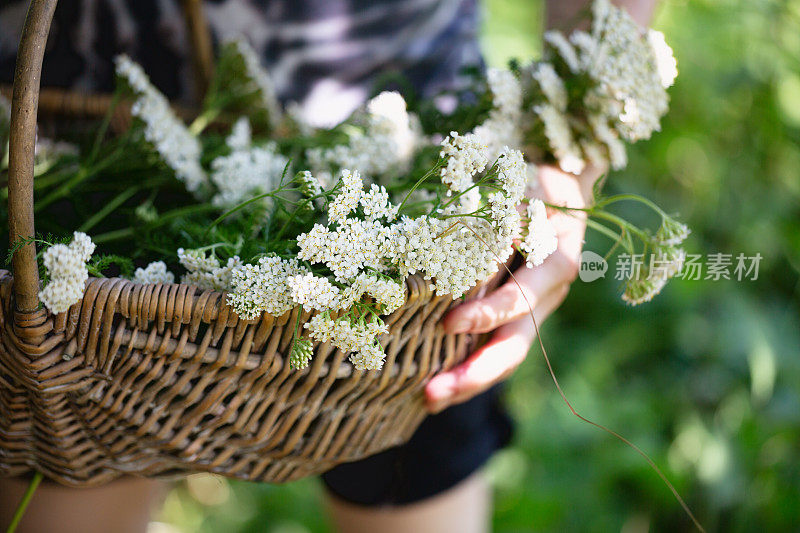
505, 310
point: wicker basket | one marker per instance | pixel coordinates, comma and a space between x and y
158, 380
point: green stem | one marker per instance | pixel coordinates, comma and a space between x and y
183, 211
202, 122
82, 174
596, 211
52, 178
623, 224
26, 499
242, 205
286, 224
294, 335
618, 238
416, 186
162, 219
108, 208
113, 235
101, 133
635, 197
605, 230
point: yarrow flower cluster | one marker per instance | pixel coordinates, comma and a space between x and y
263, 287
348, 198
205, 271
155, 272
464, 156
626, 71
593, 91
502, 127
309, 185
357, 337
241, 136
369, 252
541, 240
664, 262
382, 138
468, 243
178, 148
247, 171
66, 268
258, 80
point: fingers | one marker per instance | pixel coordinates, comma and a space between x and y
514, 299
557, 186
508, 303
489, 364
507, 309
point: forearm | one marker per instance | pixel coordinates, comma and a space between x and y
564, 14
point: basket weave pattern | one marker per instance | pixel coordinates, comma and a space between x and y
161, 379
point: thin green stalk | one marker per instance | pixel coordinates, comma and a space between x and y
596, 211
201, 123
108, 208
113, 235
82, 174
294, 335
162, 219
182, 211
239, 207
286, 224
635, 197
605, 230
618, 238
623, 224
101, 133
50, 179
416, 186
23, 504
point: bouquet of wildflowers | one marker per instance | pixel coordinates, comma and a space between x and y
252, 200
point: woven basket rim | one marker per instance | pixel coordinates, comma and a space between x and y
415, 285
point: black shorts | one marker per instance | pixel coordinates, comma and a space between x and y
446, 449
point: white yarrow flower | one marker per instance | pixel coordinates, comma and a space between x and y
382, 139
263, 288
66, 268
551, 85
206, 272
246, 173
170, 137
241, 136
666, 65
347, 199
465, 156
261, 80
541, 240
314, 293
155, 272
559, 136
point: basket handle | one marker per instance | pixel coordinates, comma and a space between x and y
21, 145
22, 137
200, 45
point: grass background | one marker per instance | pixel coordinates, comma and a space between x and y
706, 378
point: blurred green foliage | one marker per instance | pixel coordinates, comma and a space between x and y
706, 378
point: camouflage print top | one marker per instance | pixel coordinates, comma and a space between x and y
323, 54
